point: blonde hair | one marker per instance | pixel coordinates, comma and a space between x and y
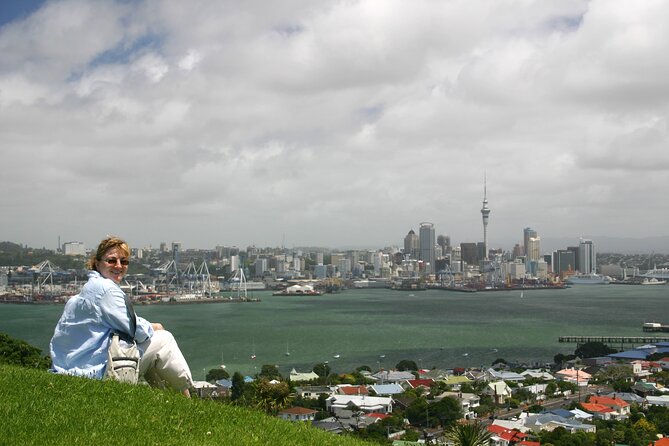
104, 246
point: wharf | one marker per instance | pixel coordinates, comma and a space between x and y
615, 340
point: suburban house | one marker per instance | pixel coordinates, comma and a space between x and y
600, 411
495, 375
348, 389
502, 436
298, 414
386, 389
422, 383
456, 381
550, 422
499, 391
296, 376
658, 400
392, 376
538, 374
363, 403
574, 376
621, 409
313, 392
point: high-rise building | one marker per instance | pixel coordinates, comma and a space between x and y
411, 245
261, 266
469, 253
563, 261
445, 242
426, 238
485, 213
74, 249
576, 265
587, 257
533, 249
528, 233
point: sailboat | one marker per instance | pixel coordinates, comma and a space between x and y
253, 355
287, 351
222, 362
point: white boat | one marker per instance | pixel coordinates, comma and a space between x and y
653, 281
588, 279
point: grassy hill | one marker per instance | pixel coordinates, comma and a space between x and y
37, 407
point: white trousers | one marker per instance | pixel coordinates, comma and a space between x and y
163, 364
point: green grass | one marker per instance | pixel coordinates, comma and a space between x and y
41, 408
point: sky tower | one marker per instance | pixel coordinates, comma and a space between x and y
485, 212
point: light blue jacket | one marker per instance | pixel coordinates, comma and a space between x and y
82, 335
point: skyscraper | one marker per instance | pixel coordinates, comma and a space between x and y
426, 239
528, 233
485, 213
587, 258
411, 245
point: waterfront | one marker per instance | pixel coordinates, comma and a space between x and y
434, 327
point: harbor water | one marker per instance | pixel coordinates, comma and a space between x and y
380, 327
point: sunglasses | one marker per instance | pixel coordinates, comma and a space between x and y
113, 260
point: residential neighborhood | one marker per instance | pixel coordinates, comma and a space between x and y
598, 396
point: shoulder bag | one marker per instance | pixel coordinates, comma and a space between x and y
123, 358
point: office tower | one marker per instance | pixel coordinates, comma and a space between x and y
411, 245
576, 266
469, 253
528, 233
587, 258
261, 266
445, 242
517, 251
485, 213
563, 261
426, 239
533, 249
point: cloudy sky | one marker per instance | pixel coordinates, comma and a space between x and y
331, 123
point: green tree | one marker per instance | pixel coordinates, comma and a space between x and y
468, 435
406, 365
593, 350
418, 412
216, 374
238, 386
447, 411
270, 372
322, 369
18, 352
270, 397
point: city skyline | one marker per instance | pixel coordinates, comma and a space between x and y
334, 124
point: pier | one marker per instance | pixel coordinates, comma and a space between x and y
614, 340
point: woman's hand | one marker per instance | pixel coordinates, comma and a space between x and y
157, 326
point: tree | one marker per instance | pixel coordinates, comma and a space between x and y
18, 352
406, 365
322, 369
238, 385
593, 350
468, 435
448, 411
270, 372
270, 397
216, 374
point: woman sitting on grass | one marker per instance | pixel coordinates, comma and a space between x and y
83, 333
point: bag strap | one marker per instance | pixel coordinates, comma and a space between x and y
132, 318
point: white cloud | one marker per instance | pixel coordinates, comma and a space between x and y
336, 123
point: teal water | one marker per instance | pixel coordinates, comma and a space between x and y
434, 328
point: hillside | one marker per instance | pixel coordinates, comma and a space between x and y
38, 407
